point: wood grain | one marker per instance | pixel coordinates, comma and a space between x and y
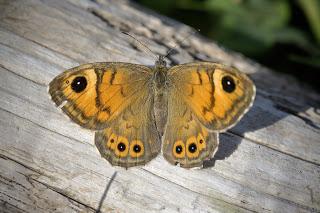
270, 161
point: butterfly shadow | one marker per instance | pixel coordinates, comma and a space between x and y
254, 120
104, 195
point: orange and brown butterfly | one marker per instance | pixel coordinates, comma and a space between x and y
138, 110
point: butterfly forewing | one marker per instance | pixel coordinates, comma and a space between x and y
218, 96
92, 95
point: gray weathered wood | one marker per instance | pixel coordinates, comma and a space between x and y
269, 162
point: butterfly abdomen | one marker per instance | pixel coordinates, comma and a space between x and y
160, 108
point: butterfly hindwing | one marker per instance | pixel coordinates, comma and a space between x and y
132, 139
218, 95
186, 141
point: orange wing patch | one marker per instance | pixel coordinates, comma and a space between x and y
78, 100
112, 141
225, 100
136, 149
115, 94
95, 94
217, 95
192, 147
201, 140
121, 147
178, 149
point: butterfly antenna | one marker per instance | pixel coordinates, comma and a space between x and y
142, 44
185, 38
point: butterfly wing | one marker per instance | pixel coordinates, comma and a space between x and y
186, 141
92, 95
132, 138
203, 99
218, 95
117, 100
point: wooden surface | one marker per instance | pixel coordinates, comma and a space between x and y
269, 162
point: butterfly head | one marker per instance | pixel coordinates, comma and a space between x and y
160, 73
161, 63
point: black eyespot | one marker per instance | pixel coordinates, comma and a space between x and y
112, 140
136, 148
79, 84
121, 147
192, 148
228, 84
200, 141
178, 149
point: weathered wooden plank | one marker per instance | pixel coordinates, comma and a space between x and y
274, 168
256, 170
68, 154
20, 192
66, 170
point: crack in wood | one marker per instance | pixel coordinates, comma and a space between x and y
30, 178
229, 203
294, 113
64, 194
231, 132
6, 205
43, 127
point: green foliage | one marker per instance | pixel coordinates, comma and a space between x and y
256, 22
254, 27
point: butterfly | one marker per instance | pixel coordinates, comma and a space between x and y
138, 111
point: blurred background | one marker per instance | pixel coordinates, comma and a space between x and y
281, 34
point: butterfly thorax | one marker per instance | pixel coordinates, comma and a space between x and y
160, 73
